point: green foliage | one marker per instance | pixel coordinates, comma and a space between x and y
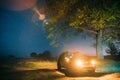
71, 17
113, 49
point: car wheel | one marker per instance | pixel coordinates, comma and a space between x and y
71, 72
59, 65
92, 71
60, 62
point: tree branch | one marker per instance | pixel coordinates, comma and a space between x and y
91, 31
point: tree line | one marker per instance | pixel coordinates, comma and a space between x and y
46, 55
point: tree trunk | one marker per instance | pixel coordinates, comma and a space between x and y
99, 45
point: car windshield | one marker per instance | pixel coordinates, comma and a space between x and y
76, 55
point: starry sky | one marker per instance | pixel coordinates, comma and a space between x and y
22, 33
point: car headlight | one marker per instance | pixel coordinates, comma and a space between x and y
93, 62
79, 63
67, 59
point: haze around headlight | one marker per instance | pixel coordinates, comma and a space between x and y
79, 63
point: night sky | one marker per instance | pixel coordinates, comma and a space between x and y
22, 33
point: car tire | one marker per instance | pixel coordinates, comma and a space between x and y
92, 71
58, 65
70, 72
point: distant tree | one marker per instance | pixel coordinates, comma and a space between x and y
34, 55
47, 55
11, 56
40, 55
113, 49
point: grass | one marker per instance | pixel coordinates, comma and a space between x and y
14, 64
32, 69
28, 69
108, 65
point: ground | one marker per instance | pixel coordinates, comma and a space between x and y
30, 69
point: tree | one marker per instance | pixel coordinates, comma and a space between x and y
11, 56
33, 55
71, 17
113, 49
46, 55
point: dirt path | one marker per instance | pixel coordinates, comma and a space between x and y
53, 74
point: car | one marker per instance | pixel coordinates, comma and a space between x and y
74, 63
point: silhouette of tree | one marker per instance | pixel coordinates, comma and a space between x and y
46, 55
11, 56
33, 55
40, 56
113, 49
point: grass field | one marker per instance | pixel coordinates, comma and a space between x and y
32, 69
28, 69
108, 65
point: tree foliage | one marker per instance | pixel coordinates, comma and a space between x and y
33, 55
113, 49
46, 55
68, 18
71, 17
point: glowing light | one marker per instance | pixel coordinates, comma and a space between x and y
41, 15
79, 63
67, 59
93, 62
46, 21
